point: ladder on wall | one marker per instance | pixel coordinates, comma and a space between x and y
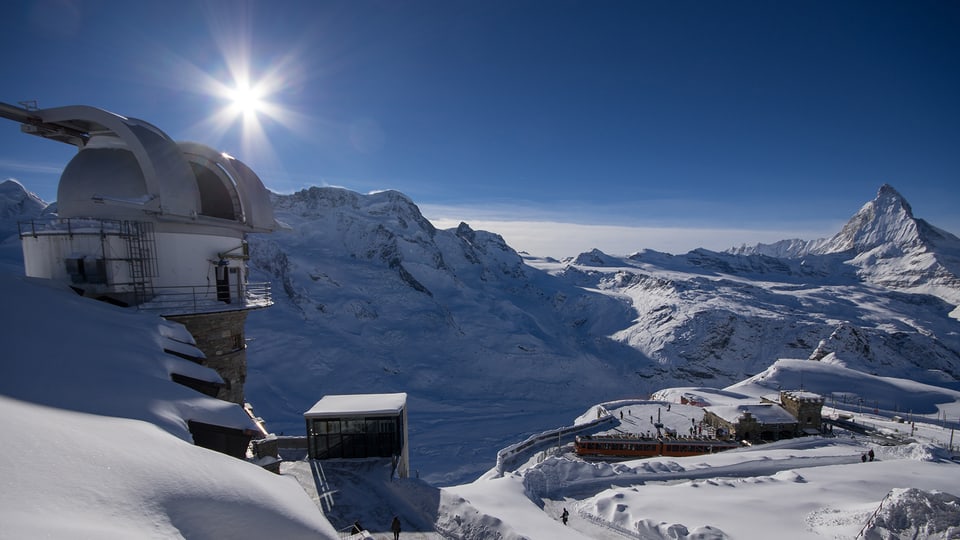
142, 256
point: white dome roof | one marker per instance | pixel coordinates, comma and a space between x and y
130, 169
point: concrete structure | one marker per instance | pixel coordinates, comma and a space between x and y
754, 422
360, 426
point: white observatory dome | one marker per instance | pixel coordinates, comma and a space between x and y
129, 169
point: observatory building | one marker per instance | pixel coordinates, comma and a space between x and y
145, 221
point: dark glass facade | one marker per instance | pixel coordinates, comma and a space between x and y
355, 437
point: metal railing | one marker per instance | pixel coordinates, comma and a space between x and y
69, 226
141, 255
207, 299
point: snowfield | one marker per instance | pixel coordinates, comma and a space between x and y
78, 475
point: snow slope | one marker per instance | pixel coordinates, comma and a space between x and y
96, 438
79, 475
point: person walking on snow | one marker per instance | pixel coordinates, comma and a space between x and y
395, 527
564, 516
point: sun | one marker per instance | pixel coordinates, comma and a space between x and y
243, 97
245, 100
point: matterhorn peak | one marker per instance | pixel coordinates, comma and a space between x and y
887, 219
888, 197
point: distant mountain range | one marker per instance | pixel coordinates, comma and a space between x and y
888, 246
492, 345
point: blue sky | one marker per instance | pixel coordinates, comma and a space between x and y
562, 125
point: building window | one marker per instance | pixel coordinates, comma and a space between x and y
86, 270
356, 437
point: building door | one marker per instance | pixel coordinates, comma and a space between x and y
223, 283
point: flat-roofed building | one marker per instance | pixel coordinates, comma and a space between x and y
360, 426
751, 422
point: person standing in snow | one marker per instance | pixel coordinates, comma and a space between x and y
395, 527
564, 516
870, 454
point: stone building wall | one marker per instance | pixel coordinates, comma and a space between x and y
729, 429
805, 407
221, 338
747, 427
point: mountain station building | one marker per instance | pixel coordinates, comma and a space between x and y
751, 422
360, 426
806, 407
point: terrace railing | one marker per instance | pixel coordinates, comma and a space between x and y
206, 299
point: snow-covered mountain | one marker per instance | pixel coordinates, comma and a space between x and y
887, 245
16, 204
371, 297
725, 315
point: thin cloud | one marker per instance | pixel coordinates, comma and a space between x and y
30, 167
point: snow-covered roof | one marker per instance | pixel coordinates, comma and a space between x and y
801, 395
765, 413
336, 406
189, 369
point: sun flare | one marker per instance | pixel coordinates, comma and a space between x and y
246, 100
246, 95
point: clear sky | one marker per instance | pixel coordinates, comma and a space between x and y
562, 125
